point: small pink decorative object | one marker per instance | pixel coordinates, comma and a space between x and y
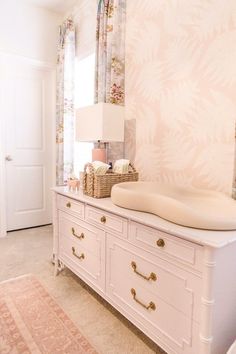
73, 184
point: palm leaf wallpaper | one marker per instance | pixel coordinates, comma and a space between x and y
181, 90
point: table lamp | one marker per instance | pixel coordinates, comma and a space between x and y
102, 123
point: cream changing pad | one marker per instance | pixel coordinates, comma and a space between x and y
190, 207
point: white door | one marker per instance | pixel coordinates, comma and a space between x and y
28, 99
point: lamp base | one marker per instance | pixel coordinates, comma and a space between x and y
99, 155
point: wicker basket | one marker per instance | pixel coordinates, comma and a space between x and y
99, 186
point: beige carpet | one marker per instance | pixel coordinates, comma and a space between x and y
29, 251
32, 322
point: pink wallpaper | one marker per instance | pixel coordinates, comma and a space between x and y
181, 90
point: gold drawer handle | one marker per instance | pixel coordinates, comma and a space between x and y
152, 275
68, 205
80, 237
151, 304
76, 255
103, 219
160, 242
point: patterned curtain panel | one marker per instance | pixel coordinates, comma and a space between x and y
65, 101
234, 175
110, 52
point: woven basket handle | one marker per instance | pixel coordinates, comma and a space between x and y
132, 167
88, 166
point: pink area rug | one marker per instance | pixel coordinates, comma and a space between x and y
31, 322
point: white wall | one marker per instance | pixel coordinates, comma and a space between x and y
28, 31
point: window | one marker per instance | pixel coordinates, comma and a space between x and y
84, 96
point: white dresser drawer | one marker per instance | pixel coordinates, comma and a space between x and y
175, 286
71, 206
163, 244
82, 262
108, 221
160, 318
82, 234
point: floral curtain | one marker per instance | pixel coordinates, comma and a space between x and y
234, 175
110, 52
64, 101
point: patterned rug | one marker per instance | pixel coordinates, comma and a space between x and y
31, 322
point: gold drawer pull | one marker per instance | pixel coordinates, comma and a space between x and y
103, 219
76, 255
68, 205
151, 304
152, 275
80, 237
160, 242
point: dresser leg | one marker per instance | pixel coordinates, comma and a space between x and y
59, 267
53, 259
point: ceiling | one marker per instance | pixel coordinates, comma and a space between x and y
60, 6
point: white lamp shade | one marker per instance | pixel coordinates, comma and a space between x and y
101, 121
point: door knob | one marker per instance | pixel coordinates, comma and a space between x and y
8, 158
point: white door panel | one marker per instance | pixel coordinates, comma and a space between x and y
28, 113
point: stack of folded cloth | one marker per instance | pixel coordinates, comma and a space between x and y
100, 167
120, 166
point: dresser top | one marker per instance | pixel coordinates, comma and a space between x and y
214, 239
